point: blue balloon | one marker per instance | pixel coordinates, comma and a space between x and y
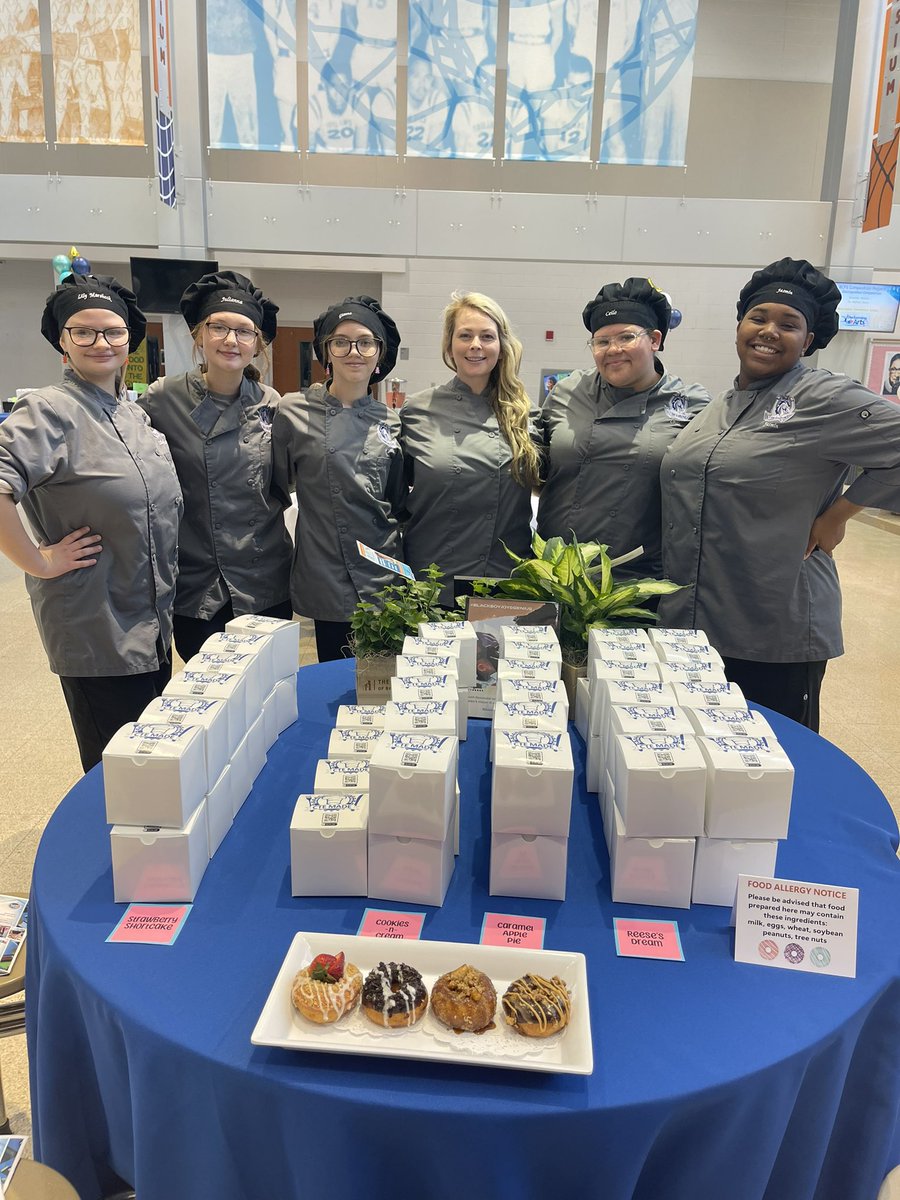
675, 319
81, 266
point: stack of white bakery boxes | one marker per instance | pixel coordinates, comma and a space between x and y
382, 819
694, 787
533, 769
176, 778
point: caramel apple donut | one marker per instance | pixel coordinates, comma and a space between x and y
536, 1007
326, 989
394, 995
464, 1000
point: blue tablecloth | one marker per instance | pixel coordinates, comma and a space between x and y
712, 1079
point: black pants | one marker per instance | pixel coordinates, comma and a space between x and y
789, 688
332, 640
189, 633
100, 706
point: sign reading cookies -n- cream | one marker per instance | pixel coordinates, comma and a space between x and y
796, 926
386, 924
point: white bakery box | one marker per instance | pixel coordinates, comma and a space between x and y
701, 670
540, 691
410, 870
359, 716
460, 632
517, 648
258, 644
353, 743
687, 652
215, 685
625, 654
668, 636
719, 861
341, 775
712, 722
285, 637
528, 865
280, 707
582, 705
412, 784
210, 715
648, 870
539, 716
532, 781
154, 774
643, 718
715, 694
329, 844
750, 781
607, 690
658, 784
247, 761
448, 647
431, 716
427, 664
523, 668
156, 865
425, 689
245, 664
534, 635
618, 636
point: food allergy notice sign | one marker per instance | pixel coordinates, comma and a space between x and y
795, 925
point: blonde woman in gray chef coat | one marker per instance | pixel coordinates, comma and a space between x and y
470, 450
100, 492
336, 445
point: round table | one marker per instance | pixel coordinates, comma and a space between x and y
711, 1078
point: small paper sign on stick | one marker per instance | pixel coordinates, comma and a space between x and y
385, 561
795, 925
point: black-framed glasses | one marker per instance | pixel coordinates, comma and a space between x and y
622, 341
341, 346
117, 336
220, 332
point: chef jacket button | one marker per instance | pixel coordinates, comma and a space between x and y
672, 472
588, 460
489, 516
333, 412
457, 470
336, 490
626, 468
246, 440
256, 558
456, 430
671, 525
153, 508
342, 528
213, 483
374, 520
252, 521
217, 525
576, 506
695, 529
209, 441
612, 512
331, 449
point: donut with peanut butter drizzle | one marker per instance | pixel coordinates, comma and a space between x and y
536, 1007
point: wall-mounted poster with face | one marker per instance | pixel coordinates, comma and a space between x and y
550, 377
882, 374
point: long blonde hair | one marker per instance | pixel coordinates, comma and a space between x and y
508, 397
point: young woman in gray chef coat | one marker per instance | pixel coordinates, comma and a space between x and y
752, 494
336, 446
470, 450
234, 553
101, 494
607, 429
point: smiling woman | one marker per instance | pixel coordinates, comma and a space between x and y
752, 494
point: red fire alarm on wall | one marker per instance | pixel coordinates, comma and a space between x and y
548, 335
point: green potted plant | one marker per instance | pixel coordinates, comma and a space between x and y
378, 627
580, 578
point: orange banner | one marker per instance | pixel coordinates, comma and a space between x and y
883, 161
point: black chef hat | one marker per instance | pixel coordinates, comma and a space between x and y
78, 292
796, 283
634, 302
227, 291
368, 312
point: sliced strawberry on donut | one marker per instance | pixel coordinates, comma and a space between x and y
327, 968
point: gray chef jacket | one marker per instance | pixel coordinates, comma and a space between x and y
346, 468
741, 488
73, 455
233, 544
464, 500
605, 447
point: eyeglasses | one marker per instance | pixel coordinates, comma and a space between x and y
117, 336
340, 347
219, 332
622, 341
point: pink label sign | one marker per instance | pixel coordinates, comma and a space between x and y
376, 923
155, 924
501, 929
648, 939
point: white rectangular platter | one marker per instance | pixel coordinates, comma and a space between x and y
568, 1052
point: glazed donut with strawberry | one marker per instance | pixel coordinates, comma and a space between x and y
326, 989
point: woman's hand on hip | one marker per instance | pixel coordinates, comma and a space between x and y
829, 527
76, 550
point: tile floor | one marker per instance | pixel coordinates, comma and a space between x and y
38, 760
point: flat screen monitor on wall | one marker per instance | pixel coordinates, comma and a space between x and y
159, 283
868, 307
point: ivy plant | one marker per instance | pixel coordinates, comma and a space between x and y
378, 626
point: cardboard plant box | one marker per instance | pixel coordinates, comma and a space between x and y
373, 678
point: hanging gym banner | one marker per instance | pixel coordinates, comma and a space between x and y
352, 77
550, 84
451, 78
21, 85
649, 72
97, 72
251, 49
162, 98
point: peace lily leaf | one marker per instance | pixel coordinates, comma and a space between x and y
537, 546
640, 614
624, 558
515, 557
553, 549
658, 587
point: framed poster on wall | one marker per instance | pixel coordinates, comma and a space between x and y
883, 367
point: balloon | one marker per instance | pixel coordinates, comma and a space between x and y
675, 319
81, 266
61, 268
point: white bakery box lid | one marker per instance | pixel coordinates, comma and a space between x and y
341, 775
713, 722
534, 690
532, 748
687, 653
526, 668
331, 812
649, 718
359, 716
674, 636
603, 668
424, 687
738, 752
697, 671
426, 664
435, 716
415, 752
451, 646
531, 714
537, 635
352, 743
708, 693
660, 752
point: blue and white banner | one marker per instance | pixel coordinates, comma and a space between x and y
649, 71
550, 86
162, 93
451, 78
251, 50
353, 76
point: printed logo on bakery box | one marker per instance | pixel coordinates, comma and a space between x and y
524, 664
320, 803
442, 626
425, 681
526, 685
657, 741
650, 712
424, 644
640, 687
429, 663
208, 676
691, 668
238, 639
175, 704
158, 733
337, 766
532, 740
713, 688
532, 632
742, 745
730, 716
416, 742
418, 708
529, 708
